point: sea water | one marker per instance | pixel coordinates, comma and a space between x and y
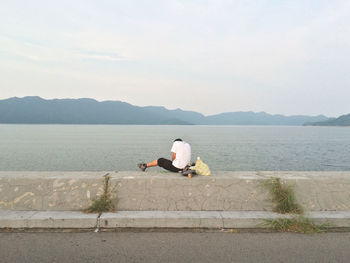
121, 147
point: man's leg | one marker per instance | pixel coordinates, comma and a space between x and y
153, 163
167, 165
161, 162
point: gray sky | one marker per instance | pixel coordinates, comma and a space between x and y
288, 57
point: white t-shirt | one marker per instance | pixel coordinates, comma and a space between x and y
183, 154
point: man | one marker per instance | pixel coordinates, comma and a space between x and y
181, 156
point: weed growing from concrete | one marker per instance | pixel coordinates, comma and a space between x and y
103, 203
297, 224
100, 204
283, 197
285, 203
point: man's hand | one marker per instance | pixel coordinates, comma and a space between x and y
174, 156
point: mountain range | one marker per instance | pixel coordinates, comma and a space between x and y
343, 120
36, 110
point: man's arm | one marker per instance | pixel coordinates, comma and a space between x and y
173, 157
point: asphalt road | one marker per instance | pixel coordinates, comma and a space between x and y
174, 247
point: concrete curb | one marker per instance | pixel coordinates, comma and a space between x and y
185, 219
157, 219
47, 219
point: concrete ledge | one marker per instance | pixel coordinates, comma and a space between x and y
186, 219
223, 191
157, 219
148, 191
49, 191
227, 191
47, 219
333, 218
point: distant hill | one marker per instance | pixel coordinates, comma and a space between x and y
260, 118
343, 120
187, 116
89, 111
77, 111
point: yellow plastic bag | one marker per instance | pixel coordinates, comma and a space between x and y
201, 168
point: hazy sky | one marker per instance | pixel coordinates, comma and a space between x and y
288, 57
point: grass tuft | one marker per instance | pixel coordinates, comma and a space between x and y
100, 205
103, 203
283, 197
298, 224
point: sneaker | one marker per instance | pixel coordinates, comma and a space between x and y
142, 166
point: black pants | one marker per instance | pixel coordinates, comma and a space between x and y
168, 165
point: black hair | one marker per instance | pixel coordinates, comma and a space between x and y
178, 140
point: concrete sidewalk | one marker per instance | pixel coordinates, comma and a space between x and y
157, 219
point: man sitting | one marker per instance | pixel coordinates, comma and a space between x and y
181, 156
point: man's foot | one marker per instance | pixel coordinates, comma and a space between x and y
142, 166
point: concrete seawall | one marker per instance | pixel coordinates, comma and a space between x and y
49, 191
49, 200
138, 191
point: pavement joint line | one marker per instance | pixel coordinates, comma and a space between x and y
222, 220
98, 219
97, 226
